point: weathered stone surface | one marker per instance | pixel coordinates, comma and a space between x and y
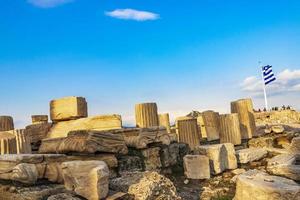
140, 138
85, 141
24, 173
6, 123
261, 142
88, 179
256, 185
221, 156
169, 155
230, 129
277, 117
164, 120
38, 131
36, 119
8, 143
217, 155
119, 196
244, 108
22, 141
286, 165
63, 196
250, 154
97, 123
68, 108
130, 164
188, 131
201, 125
146, 115
34, 192
145, 186
277, 129
196, 167
295, 145
212, 124
231, 157
151, 158
276, 151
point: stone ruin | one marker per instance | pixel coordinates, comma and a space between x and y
203, 156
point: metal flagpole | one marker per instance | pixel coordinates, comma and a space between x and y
264, 87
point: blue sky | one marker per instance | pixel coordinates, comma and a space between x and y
184, 55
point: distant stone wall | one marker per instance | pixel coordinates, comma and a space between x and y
277, 117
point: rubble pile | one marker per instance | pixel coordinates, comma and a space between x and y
204, 156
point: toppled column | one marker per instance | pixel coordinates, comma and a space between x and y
68, 108
24, 173
257, 185
188, 131
146, 115
6, 123
244, 108
212, 124
230, 129
36, 119
164, 120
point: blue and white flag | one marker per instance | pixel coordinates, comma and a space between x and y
268, 74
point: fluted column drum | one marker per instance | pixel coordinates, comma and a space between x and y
230, 129
6, 123
244, 109
212, 124
146, 115
188, 131
164, 120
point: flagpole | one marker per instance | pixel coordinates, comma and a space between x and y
264, 87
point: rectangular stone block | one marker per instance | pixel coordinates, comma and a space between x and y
68, 108
39, 119
98, 123
196, 167
250, 154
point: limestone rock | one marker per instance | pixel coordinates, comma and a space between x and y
85, 141
68, 108
169, 155
146, 115
97, 123
164, 120
63, 196
36, 119
261, 142
201, 125
221, 156
244, 108
256, 185
286, 165
212, 124
295, 145
196, 167
277, 129
230, 129
151, 158
130, 164
217, 155
24, 173
188, 131
88, 179
250, 154
6, 123
231, 157
145, 186
140, 138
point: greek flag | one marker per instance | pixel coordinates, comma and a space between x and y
268, 74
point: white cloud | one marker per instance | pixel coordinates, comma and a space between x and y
48, 3
131, 14
287, 81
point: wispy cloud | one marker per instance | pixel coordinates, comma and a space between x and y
48, 3
131, 14
287, 81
